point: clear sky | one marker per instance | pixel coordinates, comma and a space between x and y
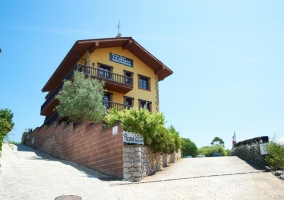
227, 58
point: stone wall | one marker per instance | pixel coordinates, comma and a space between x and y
86, 144
250, 153
140, 161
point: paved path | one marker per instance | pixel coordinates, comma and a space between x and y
30, 174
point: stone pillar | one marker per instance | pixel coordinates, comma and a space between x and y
132, 170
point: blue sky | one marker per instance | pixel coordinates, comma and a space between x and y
227, 58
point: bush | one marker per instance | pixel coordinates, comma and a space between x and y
228, 152
14, 142
6, 124
209, 150
188, 148
149, 125
276, 154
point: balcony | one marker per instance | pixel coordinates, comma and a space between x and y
116, 106
51, 119
50, 103
114, 82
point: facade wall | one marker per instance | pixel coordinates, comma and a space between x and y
86, 144
139, 67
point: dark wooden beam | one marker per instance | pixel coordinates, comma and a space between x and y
127, 44
94, 47
162, 68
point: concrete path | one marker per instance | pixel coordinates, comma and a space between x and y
31, 174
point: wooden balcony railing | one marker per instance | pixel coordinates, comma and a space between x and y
117, 106
51, 119
106, 75
114, 82
59, 87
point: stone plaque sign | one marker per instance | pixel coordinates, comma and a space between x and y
133, 138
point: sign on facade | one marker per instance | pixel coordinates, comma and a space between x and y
263, 149
120, 59
133, 138
114, 130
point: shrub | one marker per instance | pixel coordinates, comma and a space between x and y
227, 152
14, 142
209, 150
6, 124
276, 154
149, 125
188, 148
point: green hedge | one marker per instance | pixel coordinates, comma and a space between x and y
209, 150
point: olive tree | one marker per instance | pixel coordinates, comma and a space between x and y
81, 99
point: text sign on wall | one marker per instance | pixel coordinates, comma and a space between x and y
114, 130
120, 59
133, 138
263, 149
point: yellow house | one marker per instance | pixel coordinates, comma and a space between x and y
130, 72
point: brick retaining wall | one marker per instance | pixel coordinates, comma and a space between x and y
85, 144
97, 148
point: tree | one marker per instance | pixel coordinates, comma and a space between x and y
81, 100
188, 148
175, 135
6, 123
218, 141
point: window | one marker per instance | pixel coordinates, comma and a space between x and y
104, 71
128, 77
145, 104
128, 102
107, 100
144, 82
